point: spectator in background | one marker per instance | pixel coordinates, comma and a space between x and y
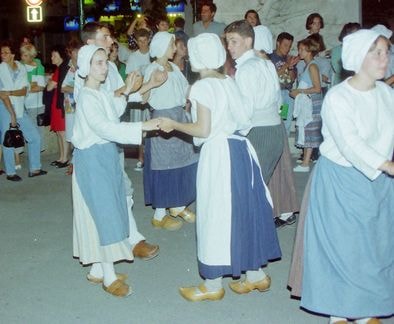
36, 77
308, 131
181, 59
137, 62
141, 22
68, 91
113, 56
285, 67
58, 124
179, 24
13, 89
162, 24
252, 17
207, 23
336, 61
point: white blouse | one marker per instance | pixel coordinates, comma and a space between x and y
358, 127
97, 121
172, 93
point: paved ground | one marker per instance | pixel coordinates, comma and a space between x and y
40, 282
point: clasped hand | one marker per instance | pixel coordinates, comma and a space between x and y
164, 124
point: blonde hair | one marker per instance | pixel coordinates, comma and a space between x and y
28, 49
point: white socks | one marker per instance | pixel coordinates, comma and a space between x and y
159, 213
109, 273
96, 270
213, 285
255, 275
334, 319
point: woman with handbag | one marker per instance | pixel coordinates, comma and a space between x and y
14, 84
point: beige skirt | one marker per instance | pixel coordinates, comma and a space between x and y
86, 243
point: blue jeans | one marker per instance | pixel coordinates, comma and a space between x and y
31, 135
290, 102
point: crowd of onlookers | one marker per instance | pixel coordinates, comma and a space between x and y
248, 91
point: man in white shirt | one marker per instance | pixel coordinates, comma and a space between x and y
99, 34
207, 24
259, 84
137, 62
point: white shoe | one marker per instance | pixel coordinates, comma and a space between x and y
139, 166
18, 167
300, 168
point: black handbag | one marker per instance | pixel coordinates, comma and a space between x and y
14, 137
42, 119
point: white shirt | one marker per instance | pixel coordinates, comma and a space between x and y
97, 121
137, 61
172, 93
358, 127
259, 84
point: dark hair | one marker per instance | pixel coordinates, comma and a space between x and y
61, 50
179, 22
254, 12
318, 39
309, 20
142, 32
90, 29
211, 6
310, 44
241, 27
348, 29
162, 18
283, 36
12, 45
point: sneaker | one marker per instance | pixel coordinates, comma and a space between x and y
279, 222
292, 219
139, 166
301, 168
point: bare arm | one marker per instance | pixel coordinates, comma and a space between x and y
8, 105
387, 167
315, 78
201, 128
67, 89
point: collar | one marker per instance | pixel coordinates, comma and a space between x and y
244, 57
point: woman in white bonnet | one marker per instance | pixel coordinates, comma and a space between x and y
235, 228
348, 244
170, 159
100, 218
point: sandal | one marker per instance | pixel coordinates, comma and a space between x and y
118, 289
96, 280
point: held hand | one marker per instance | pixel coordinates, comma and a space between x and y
294, 93
133, 82
166, 125
4, 94
158, 78
388, 167
152, 124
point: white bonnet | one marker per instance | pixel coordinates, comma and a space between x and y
159, 43
263, 39
85, 55
382, 30
206, 51
356, 47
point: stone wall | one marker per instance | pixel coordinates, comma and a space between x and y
290, 15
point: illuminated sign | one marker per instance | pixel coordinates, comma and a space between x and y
33, 3
34, 14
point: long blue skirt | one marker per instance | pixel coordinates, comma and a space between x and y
100, 179
349, 243
254, 239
